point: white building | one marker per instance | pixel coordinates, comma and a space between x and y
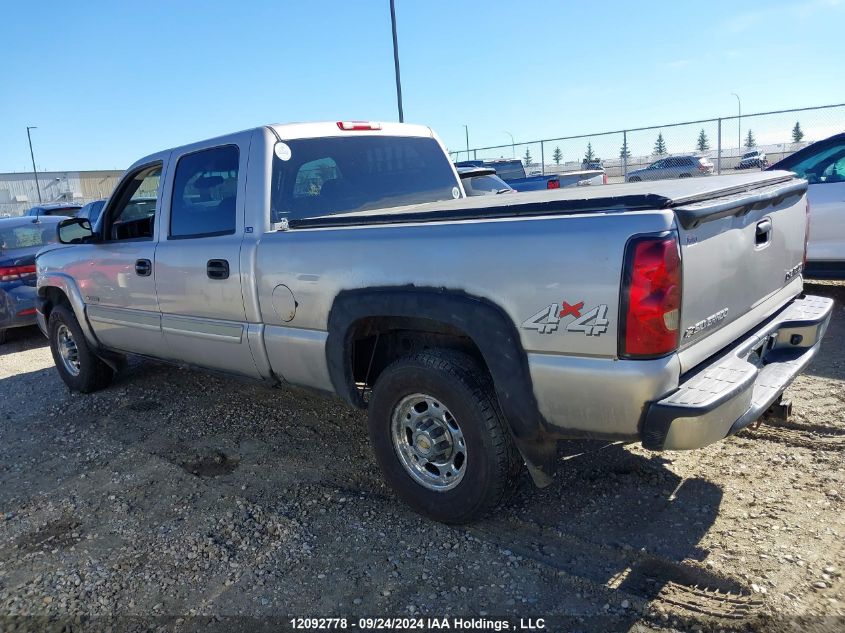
18, 191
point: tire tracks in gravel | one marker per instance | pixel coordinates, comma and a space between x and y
644, 579
811, 436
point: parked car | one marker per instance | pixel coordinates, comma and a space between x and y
476, 331
822, 164
673, 167
65, 209
20, 239
92, 211
755, 158
513, 172
482, 181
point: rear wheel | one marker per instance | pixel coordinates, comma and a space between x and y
439, 436
78, 366
685, 176
634, 179
2, 336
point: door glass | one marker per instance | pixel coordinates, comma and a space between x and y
205, 192
133, 215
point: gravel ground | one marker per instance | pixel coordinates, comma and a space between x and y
215, 503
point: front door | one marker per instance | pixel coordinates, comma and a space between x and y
198, 275
116, 276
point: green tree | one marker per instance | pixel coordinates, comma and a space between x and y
660, 145
589, 155
557, 156
797, 133
624, 152
749, 140
527, 158
703, 142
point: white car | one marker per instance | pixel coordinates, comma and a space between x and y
823, 165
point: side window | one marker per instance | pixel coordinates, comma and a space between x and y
205, 189
133, 215
312, 176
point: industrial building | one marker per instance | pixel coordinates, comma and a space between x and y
18, 191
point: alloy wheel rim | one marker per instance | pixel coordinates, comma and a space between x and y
429, 442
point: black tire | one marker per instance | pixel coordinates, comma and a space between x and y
634, 179
466, 391
2, 336
93, 373
685, 176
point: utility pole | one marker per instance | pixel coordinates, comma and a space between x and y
738, 124
396, 61
513, 149
32, 155
466, 129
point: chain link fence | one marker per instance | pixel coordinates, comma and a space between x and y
709, 146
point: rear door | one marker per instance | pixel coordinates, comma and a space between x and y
198, 274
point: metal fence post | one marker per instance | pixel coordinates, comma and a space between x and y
624, 155
719, 146
542, 158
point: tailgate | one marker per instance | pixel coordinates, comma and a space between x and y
741, 256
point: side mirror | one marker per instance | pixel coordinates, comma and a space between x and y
75, 231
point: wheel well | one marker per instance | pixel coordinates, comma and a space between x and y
372, 343
50, 297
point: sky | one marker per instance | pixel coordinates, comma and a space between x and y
108, 82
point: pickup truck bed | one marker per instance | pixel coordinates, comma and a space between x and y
640, 196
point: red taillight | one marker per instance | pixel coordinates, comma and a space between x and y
806, 233
604, 179
553, 184
28, 312
651, 297
358, 125
11, 273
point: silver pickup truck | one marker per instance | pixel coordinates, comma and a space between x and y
478, 332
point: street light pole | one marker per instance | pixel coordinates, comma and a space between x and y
738, 122
32, 155
466, 129
396, 61
513, 149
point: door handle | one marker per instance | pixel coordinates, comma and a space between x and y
764, 232
217, 269
143, 267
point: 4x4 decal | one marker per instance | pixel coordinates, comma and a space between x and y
548, 320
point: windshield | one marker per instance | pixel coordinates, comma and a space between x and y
27, 236
324, 176
485, 185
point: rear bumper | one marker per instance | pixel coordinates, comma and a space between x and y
728, 393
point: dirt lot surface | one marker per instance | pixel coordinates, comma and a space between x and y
177, 493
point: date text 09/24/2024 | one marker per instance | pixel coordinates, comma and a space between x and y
419, 624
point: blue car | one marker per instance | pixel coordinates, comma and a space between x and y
20, 240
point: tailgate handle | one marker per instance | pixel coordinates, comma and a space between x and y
217, 269
764, 232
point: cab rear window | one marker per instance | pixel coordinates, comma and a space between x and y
324, 176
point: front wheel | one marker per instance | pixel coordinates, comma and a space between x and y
440, 438
78, 366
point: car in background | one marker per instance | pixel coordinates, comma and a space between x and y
20, 239
512, 172
684, 166
822, 165
63, 209
482, 181
755, 158
92, 211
